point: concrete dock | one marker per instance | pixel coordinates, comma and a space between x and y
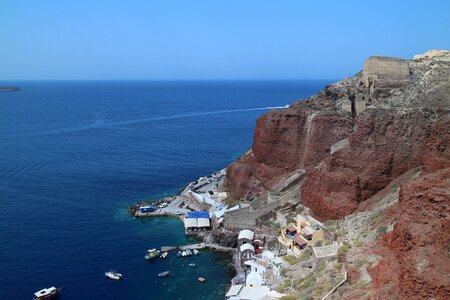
198, 247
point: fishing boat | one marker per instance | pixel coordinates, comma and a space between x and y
48, 293
163, 255
179, 253
114, 275
164, 274
151, 253
188, 252
183, 253
191, 265
201, 279
196, 252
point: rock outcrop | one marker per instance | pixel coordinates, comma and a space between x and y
386, 112
352, 141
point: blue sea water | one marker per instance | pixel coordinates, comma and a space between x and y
74, 155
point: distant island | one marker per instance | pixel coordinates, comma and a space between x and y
9, 89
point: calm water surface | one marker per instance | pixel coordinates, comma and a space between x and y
73, 155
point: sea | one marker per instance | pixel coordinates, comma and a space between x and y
75, 154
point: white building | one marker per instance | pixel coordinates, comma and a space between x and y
241, 292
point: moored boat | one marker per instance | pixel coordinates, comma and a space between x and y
114, 275
163, 255
201, 279
151, 253
188, 252
183, 253
179, 253
191, 265
196, 252
163, 274
48, 293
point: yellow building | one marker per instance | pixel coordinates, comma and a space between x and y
297, 235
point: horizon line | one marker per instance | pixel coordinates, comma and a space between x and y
199, 79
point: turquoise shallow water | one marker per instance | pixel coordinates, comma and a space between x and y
74, 155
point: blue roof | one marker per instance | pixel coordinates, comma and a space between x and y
198, 215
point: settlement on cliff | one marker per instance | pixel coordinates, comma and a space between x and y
372, 152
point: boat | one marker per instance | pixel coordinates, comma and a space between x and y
191, 265
188, 252
201, 279
114, 275
179, 253
163, 255
196, 252
151, 253
48, 293
164, 274
183, 253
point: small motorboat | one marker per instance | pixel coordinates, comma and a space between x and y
151, 253
188, 252
196, 252
163, 255
183, 253
192, 265
48, 293
164, 274
179, 253
114, 275
201, 279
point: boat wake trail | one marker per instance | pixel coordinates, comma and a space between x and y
103, 124
35, 165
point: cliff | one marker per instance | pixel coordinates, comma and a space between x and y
352, 138
352, 145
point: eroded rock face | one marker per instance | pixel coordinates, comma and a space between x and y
437, 151
285, 141
420, 240
385, 144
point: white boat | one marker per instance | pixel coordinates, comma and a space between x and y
151, 253
164, 274
163, 255
183, 253
114, 275
48, 293
196, 252
192, 265
188, 252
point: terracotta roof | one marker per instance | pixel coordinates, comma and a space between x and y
300, 240
291, 228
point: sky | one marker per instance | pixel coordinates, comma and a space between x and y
190, 40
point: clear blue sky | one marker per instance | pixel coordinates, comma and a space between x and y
109, 39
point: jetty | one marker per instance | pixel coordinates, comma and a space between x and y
198, 247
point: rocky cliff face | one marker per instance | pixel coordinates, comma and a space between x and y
419, 243
386, 119
351, 141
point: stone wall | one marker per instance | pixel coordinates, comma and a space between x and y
239, 219
385, 68
269, 203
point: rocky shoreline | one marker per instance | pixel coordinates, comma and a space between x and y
367, 162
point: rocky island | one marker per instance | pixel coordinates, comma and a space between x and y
9, 89
344, 195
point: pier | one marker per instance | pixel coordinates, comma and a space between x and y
199, 247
